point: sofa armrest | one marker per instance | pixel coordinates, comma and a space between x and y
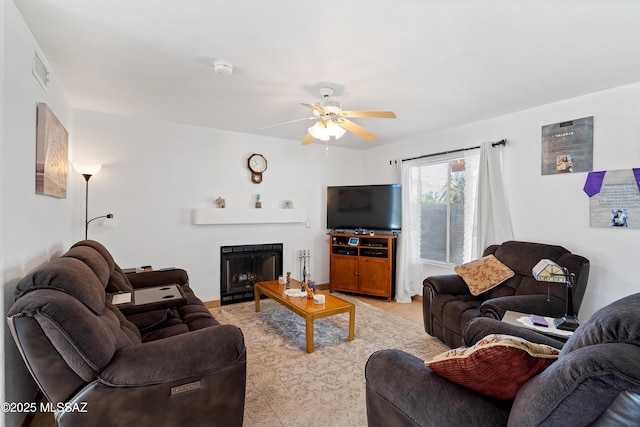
196, 378
443, 284
480, 327
402, 391
177, 357
530, 304
158, 278
581, 385
446, 284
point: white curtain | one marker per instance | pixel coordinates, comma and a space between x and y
492, 221
409, 267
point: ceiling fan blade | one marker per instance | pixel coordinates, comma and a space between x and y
314, 107
374, 114
357, 129
307, 139
290, 121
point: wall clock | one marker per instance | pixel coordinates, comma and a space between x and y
257, 165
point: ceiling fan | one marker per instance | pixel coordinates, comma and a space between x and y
333, 121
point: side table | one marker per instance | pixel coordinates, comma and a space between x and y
524, 320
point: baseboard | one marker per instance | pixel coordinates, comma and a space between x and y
212, 304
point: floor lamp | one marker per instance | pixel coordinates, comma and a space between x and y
87, 170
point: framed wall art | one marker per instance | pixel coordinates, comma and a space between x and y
567, 147
614, 198
51, 154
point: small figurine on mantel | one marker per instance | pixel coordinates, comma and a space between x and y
258, 202
220, 202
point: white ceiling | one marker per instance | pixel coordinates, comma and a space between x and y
435, 63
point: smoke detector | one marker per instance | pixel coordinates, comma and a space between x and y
223, 67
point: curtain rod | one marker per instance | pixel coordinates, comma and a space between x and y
501, 142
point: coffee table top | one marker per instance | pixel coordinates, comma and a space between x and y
302, 305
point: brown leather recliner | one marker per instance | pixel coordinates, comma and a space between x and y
182, 368
448, 305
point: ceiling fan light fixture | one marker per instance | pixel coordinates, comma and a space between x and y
325, 129
335, 130
330, 106
319, 131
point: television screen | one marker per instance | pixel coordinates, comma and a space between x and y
372, 207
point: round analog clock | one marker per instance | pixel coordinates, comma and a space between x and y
257, 165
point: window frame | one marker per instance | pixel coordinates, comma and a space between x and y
448, 158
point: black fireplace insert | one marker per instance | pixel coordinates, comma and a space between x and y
242, 266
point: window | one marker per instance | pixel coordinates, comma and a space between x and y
443, 199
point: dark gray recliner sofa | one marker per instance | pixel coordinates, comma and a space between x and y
594, 382
448, 305
176, 365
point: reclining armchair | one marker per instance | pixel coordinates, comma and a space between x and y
595, 380
182, 368
448, 304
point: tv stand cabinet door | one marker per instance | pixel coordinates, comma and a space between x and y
375, 276
344, 273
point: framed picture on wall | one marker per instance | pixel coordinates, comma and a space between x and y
614, 198
51, 154
567, 147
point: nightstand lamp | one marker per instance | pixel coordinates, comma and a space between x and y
548, 271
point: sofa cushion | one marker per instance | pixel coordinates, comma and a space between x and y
522, 256
589, 378
117, 281
96, 262
86, 341
68, 275
483, 274
497, 365
618, 322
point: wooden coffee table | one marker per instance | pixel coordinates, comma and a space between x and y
305, 307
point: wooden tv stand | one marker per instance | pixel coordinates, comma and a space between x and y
363, 266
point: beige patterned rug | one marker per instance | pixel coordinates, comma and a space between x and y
288, 387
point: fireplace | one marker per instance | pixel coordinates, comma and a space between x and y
242, 266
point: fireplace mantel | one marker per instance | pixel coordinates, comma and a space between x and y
248, 216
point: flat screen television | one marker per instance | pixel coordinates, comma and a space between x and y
371, 207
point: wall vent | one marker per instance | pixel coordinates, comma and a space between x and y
40, 71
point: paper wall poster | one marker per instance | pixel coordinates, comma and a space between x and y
614, 198
51, 154
567, 147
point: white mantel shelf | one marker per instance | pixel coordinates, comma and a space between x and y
248, 216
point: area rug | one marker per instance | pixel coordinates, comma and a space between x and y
288, 387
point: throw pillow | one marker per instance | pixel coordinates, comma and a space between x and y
483, 274
497, 365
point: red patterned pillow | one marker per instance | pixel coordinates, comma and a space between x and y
497, 365
483, 274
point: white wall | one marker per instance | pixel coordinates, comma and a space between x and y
155, 173
35, 228
2, 138
613, 253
